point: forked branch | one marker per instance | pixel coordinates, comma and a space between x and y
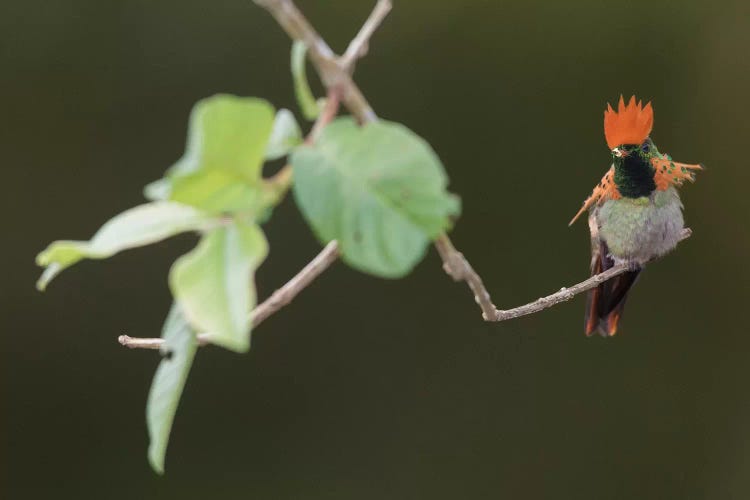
359, 45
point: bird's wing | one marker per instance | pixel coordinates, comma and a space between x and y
670, 173
605, 190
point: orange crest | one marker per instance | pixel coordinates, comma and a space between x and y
630, 124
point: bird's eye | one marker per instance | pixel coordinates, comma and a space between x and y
644, 147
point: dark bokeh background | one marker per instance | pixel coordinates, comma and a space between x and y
366, 388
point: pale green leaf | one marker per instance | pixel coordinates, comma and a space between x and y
136, 227
285, 135
305, 98
215, 191
177, 353
227, 141
214, 283
228, 133
379, 190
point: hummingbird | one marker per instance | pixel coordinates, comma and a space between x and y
635, 212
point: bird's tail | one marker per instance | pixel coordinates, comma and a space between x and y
605, 303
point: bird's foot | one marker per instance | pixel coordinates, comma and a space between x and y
634, 265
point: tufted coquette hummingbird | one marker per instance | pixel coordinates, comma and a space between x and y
635, 212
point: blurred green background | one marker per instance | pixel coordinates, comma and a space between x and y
366, 388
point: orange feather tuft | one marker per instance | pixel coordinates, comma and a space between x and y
630, 124
605, 190
671, 173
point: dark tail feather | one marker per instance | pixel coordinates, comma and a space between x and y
606, 303
613, 305
594, 297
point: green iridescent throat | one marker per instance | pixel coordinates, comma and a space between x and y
634, 173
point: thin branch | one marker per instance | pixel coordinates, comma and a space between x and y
301, 280
458, 268
566, 294
138, 343
331, 72
327, 114
276, 301
360, 44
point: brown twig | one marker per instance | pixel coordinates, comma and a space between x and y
139, 343
458, 268
360, 44
327, 114
301, 280
566, 294
331, 72
276, 301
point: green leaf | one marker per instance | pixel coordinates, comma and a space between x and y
214, 283
177, 352
285, 135
229, 133
380, 190
216, 192
223, 161
136, 227
305, 98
